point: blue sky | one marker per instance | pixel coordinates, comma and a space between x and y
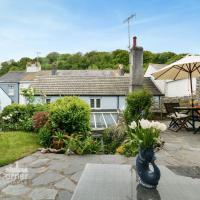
69, 26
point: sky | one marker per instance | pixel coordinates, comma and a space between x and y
70, 26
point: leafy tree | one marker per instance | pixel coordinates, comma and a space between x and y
90, 60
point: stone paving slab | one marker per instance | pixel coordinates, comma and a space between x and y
66, 184
46, 178
43, 193
16, 190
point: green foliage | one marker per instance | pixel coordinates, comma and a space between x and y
69, 115
59, 136
90, 60
19, 117
14, 116
138, 105
27, 124
45, 137
80, 145
113, 138
130, 147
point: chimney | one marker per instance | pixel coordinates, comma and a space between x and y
33, 66
136, 66
54, 69
121, 70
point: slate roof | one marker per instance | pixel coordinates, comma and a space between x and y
83, 86
12, 77
78, 82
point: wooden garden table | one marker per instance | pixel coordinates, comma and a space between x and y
193, 112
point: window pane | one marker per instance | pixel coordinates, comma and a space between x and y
92, 121
48, 100
92, 103
98, 103
115, 116
11, 90
99, 121
109, 119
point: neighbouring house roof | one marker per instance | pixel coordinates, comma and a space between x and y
78, 82
157, 66
12, 77
67, 85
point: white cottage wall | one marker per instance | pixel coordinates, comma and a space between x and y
179, 88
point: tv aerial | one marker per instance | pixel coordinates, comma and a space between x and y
128, 20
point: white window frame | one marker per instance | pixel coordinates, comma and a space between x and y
95, 103
11, 90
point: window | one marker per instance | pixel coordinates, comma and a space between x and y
102, 120
11, 91
95, 103
48, 100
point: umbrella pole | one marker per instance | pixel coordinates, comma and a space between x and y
191, 87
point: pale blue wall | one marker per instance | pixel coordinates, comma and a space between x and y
107, 102
5, 88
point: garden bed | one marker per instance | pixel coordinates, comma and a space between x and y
16, 145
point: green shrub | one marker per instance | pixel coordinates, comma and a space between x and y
113, 138
13, 116
138, 104
45, 137
69, 115
19, 117
80, 145
27, 124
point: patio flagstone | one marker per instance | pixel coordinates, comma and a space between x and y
46, 178
64, 195
39, 163
66, 184
43, 193
16, 190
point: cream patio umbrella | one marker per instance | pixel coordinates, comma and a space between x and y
187, 67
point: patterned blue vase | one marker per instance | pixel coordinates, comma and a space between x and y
146, 175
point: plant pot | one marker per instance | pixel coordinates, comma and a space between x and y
145, 175
57, 144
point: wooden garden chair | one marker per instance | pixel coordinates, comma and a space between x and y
178, 120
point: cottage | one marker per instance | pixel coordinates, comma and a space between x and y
103, 90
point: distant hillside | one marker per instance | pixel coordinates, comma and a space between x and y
90, 60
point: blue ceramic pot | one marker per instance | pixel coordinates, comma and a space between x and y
146, 175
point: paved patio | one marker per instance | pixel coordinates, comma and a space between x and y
54, 176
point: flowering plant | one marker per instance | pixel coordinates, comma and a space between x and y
28, 94
146, 133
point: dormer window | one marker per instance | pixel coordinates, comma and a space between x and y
95, 103
11, 91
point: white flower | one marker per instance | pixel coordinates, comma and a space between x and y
5, 117
145, 123
159, 126
133, 125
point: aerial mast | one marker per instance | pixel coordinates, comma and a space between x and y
127, 20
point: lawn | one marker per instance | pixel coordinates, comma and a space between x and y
16, 145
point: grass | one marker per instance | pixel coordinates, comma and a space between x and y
16, 145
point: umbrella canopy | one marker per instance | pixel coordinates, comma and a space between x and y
180, 69
187, 67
